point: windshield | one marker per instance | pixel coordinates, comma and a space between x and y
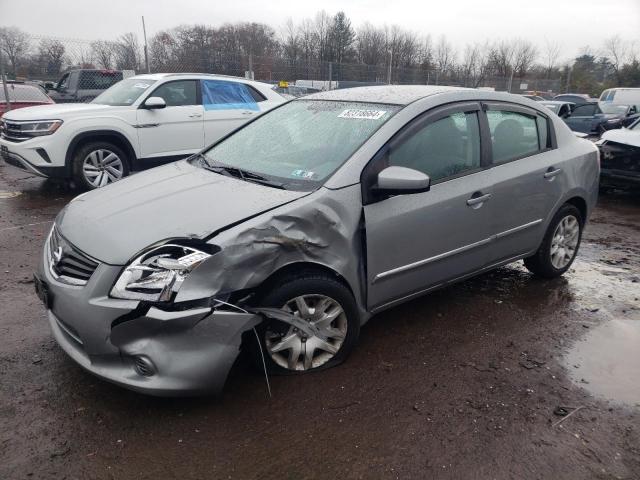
23, 93
124, 92
609, 108
301, 143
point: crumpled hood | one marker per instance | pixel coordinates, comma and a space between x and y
57, 111
114, 223
623, 135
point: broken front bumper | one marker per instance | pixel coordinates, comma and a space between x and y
620, 165
158, 352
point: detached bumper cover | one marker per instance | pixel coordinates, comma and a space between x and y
190, 352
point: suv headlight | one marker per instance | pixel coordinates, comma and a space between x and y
157, 274
40, 127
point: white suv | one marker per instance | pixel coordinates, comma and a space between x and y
140, 122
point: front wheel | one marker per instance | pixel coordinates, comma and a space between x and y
325, 303
560, 244
97, 164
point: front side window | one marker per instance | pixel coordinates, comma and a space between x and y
513, 135
585, 110
178, 94
124, 93
301, 143
441, 149
224, 95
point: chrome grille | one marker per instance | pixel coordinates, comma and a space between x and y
67, 263
12, 131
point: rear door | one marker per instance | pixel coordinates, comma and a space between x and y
227, 105
418, 241
529, 176
177, 129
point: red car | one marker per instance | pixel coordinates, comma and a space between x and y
22, 95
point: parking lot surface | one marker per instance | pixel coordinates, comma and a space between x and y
502, 376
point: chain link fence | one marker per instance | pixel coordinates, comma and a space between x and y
45, 60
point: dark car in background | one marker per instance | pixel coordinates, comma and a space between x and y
577, 98
22, 95
84, 85
595, 118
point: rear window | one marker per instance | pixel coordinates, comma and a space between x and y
515, 135
98, 80
23, 93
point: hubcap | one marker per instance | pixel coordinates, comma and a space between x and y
294, 350
565, 241
102, 167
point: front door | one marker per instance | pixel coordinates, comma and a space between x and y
418, 241
177, 129
582, 118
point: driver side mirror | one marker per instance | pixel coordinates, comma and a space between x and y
154, 103
396, 180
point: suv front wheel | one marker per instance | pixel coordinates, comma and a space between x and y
97, 164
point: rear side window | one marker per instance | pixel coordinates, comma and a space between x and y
513, 135
444, 148
98, 80
178, 94
224, 95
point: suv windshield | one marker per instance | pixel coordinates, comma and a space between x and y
610, 108
124, 92
301, 143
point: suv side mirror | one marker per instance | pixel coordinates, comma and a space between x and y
154, 103
402, 180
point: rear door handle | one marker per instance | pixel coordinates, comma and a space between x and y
195, 115
247, 113
478, 200
551, 173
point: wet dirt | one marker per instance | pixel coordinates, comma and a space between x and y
462, 383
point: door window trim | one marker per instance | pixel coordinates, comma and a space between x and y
530, 112
367, 178
198, 93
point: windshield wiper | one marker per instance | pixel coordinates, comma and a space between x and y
236, 172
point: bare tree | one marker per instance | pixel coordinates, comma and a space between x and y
103, 51
551, 56
616, 49
15, 45
445, 56
370, 45
475, 64
290, 40
524, 55
127, 52
52, 53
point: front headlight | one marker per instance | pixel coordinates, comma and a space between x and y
39, 128
157, 274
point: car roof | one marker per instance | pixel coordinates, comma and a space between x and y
555, 102
391, 94
164, 76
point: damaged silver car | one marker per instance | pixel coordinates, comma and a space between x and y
286, 236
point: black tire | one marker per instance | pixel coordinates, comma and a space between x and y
81, 153
540, 263
309, 284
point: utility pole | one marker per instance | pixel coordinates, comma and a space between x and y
146, 50
3, 79
390, 64
566, 90
330, 74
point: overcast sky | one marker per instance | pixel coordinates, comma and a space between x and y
572, 23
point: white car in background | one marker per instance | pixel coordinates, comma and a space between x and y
140, 122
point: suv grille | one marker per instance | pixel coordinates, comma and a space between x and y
67, 263
12, 132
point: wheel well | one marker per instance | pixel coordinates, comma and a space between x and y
104, 136
297, 268
581, 205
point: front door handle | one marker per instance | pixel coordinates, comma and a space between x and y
195, 115
552, 173
247, 113
478, 200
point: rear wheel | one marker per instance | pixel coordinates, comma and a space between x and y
327, 305
560, 244
98, 164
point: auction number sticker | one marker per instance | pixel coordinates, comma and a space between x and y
362, 114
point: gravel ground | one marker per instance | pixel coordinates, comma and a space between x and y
462, 383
